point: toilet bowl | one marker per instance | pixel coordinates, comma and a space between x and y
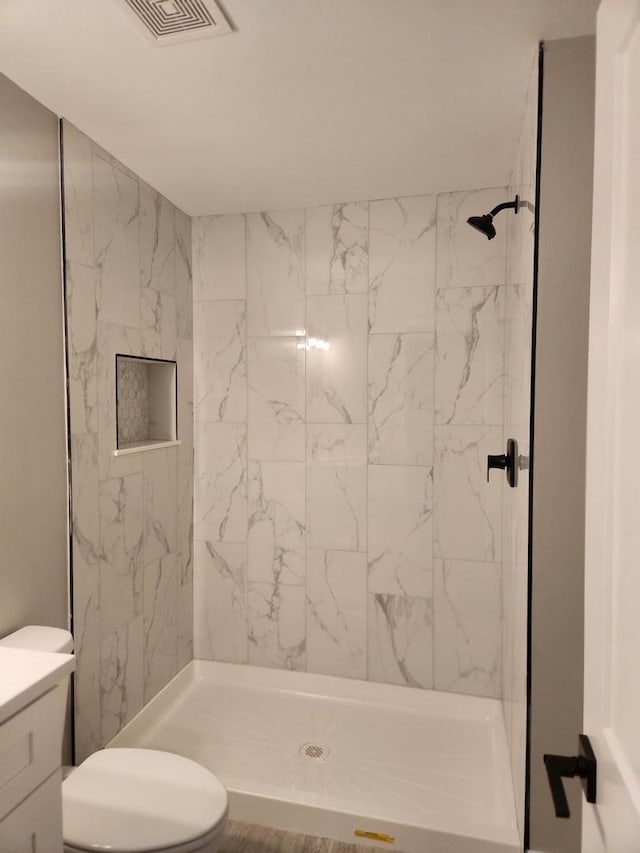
133, 800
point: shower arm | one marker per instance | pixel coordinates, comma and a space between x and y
506, 205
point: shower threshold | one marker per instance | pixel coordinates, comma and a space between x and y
394, 768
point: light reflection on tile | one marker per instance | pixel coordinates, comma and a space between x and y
337, 359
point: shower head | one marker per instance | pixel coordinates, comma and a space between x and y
484, 223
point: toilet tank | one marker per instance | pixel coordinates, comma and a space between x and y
40, 638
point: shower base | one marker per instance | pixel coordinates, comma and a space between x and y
424, 772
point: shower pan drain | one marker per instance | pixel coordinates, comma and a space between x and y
314, 751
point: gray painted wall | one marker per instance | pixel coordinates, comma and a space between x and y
560, 429
33, 483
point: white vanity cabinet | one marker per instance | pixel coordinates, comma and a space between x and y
33, 687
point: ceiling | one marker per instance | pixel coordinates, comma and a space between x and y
307, 102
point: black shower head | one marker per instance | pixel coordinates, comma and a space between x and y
484, 223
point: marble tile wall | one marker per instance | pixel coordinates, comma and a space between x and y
128, 290
349, 383
519, 297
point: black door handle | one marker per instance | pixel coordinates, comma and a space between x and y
507, 462
583, 765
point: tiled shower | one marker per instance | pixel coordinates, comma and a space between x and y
343, 371
349, 384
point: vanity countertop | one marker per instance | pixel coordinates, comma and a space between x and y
26, 674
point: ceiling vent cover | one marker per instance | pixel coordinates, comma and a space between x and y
171, 21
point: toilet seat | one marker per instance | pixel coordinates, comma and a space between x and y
141, 800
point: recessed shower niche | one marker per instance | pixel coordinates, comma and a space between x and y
146, 391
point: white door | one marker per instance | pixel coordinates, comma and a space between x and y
612, 617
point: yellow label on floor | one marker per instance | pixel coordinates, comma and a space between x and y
375, 836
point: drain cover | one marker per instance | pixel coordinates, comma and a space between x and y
314, 751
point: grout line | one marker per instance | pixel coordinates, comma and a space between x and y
306, 465
246, 461
366, 450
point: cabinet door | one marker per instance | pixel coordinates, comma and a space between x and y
30, 747
35, 826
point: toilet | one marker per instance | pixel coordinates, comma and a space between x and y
133, 800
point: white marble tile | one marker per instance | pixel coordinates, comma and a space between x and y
160, 503
184, 357
219, 265
82, 348
112, 340
220, 361
467, 627
400, 640
337, 613
85, 532
185, 539
185, 623
220, 483
184, 284
402, 246
220, 602
185, 513
470, 364
276, 399
99, 151
116, 243
275, 273
465, 257
86, 678
468, 509
337, 359
157, 241
158, 324
521, 234
401, 399
518, 327
78, 195
121, 538
400, 525
337, 241
337, 486
277, 522
160, 624
121, 677
276, 614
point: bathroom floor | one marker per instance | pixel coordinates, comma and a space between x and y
245, 838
